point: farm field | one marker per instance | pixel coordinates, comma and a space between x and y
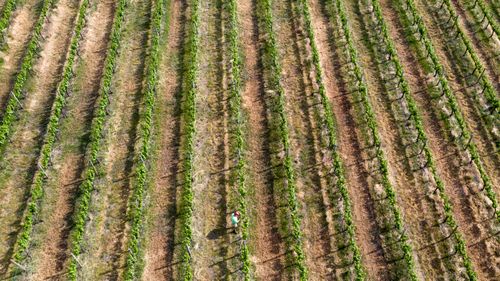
358, 139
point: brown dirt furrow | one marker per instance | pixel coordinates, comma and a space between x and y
105, 234
49, 253
159, 246
468, 206
11, 53
350, 145
268, 247
20, 158
302, 107
465, 97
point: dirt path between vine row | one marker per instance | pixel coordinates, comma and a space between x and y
105, 234
268, 246
455, 177
21, 154
159, 247
350, 146
50, 254
16, 38
468, 105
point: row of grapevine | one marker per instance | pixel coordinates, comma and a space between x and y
370, 120
136, 203
407, 104
453, 116
271, 64
37, 187
491, 106
189, 90
486, 14
31, 53
236, 125
338, 168
92, 167
7, 11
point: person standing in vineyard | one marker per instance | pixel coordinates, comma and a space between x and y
235, 219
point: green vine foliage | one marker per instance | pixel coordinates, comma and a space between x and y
487, 15
490, 112
92, 170
272, 65
136, 203
236, 121
36, 193
31, 53
8, 8
189, 116
416, 119
370, 120
455, 119
338, 168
